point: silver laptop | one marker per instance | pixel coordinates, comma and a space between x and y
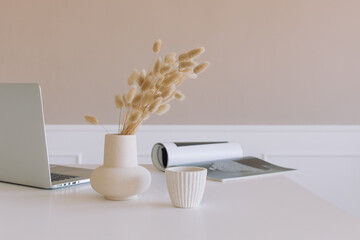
23, 150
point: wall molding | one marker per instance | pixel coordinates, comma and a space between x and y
221, 128
258, 140
65, 158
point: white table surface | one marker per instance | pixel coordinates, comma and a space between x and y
272, 207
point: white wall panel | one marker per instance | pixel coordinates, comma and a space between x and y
327, 157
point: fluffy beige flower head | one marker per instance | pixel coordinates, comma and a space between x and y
157, 46
91, 119
118, 101
201, 67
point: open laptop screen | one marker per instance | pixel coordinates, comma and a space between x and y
23, 150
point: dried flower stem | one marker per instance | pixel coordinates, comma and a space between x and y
119, 121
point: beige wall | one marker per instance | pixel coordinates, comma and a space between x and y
273, 62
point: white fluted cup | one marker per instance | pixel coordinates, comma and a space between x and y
186, 185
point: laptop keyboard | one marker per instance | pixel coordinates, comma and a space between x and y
59, 177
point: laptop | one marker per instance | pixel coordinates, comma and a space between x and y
24, 158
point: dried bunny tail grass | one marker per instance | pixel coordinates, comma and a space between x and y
159, 81
179, 95
118, 101
157, 66
133, 77
91, 119
130, 96
145, 114
172, 79
142, 77
181, 80
151, 78
155, 105
165, 69
195, 52
183, 57
201, 67
146, 85
191, 54
167, 92
135, 116
147, 98
186, 64
126, 103
157, 46
158, 94
163, 109
170, 58
136, 101
169, 98
187, 70
141, 81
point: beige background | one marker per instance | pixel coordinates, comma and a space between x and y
272, 62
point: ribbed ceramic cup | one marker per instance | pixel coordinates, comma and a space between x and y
186, 185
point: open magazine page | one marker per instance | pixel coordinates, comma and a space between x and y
223, 160
243, 167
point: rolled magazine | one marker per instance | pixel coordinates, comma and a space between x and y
224, 160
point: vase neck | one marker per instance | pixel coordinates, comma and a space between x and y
120, 151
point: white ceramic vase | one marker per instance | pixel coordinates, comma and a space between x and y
120, 178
